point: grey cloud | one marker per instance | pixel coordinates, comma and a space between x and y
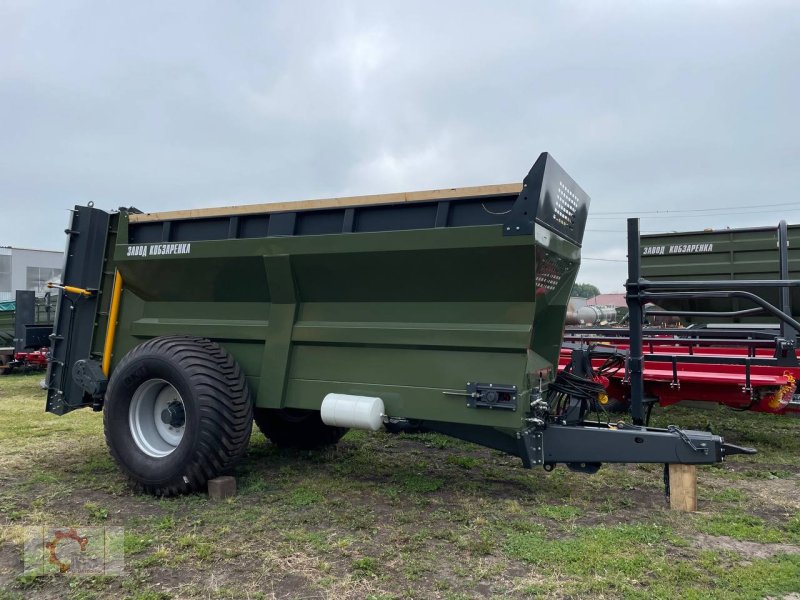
173, 105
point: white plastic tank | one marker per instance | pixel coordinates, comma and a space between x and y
358, 412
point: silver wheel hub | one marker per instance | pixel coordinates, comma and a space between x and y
157, 418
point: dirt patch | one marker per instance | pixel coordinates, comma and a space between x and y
749, 550
10, 564
773, 495
743, 467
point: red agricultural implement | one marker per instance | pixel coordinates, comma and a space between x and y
25, 328
687, 366
745, 368
33, 360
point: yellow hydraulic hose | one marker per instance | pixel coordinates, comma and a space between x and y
113, 313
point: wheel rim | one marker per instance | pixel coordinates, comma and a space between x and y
157, 418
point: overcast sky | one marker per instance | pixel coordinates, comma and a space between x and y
165, 105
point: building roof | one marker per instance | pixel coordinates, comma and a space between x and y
615, 300
30, 249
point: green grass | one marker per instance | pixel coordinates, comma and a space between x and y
612, 561
98, 514
408, 516
136, 543
304, 496
421, 483
558, 513
366, 566
729, 495
746, 527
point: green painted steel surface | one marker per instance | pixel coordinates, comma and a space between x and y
7, 328
721, 255
44, 313
403, 315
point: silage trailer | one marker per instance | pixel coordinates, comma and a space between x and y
444, 307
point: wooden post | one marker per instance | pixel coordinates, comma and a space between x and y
683, 487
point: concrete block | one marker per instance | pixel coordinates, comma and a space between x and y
220, 488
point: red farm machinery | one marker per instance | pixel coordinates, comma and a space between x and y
737, 344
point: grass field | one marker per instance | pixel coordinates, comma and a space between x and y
409, 516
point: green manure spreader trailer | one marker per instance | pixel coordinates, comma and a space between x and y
445, 308
746, 254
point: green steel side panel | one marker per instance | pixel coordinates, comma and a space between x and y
7, 325
221, 329
410, 316
414, 367
278, 343
44, 311
463, 335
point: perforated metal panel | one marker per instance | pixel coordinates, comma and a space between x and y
565, 206
551, 198
550, 269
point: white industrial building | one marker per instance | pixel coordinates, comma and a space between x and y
27, 269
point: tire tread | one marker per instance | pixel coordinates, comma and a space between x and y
306, 434
224, 403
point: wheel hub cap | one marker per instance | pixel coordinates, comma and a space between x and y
173, 415
157, 418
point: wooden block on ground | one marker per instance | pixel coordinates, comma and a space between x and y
683, 487
220, 488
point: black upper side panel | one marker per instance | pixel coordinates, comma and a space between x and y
549, 196
488, 210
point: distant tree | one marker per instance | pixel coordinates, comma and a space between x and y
585, 290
